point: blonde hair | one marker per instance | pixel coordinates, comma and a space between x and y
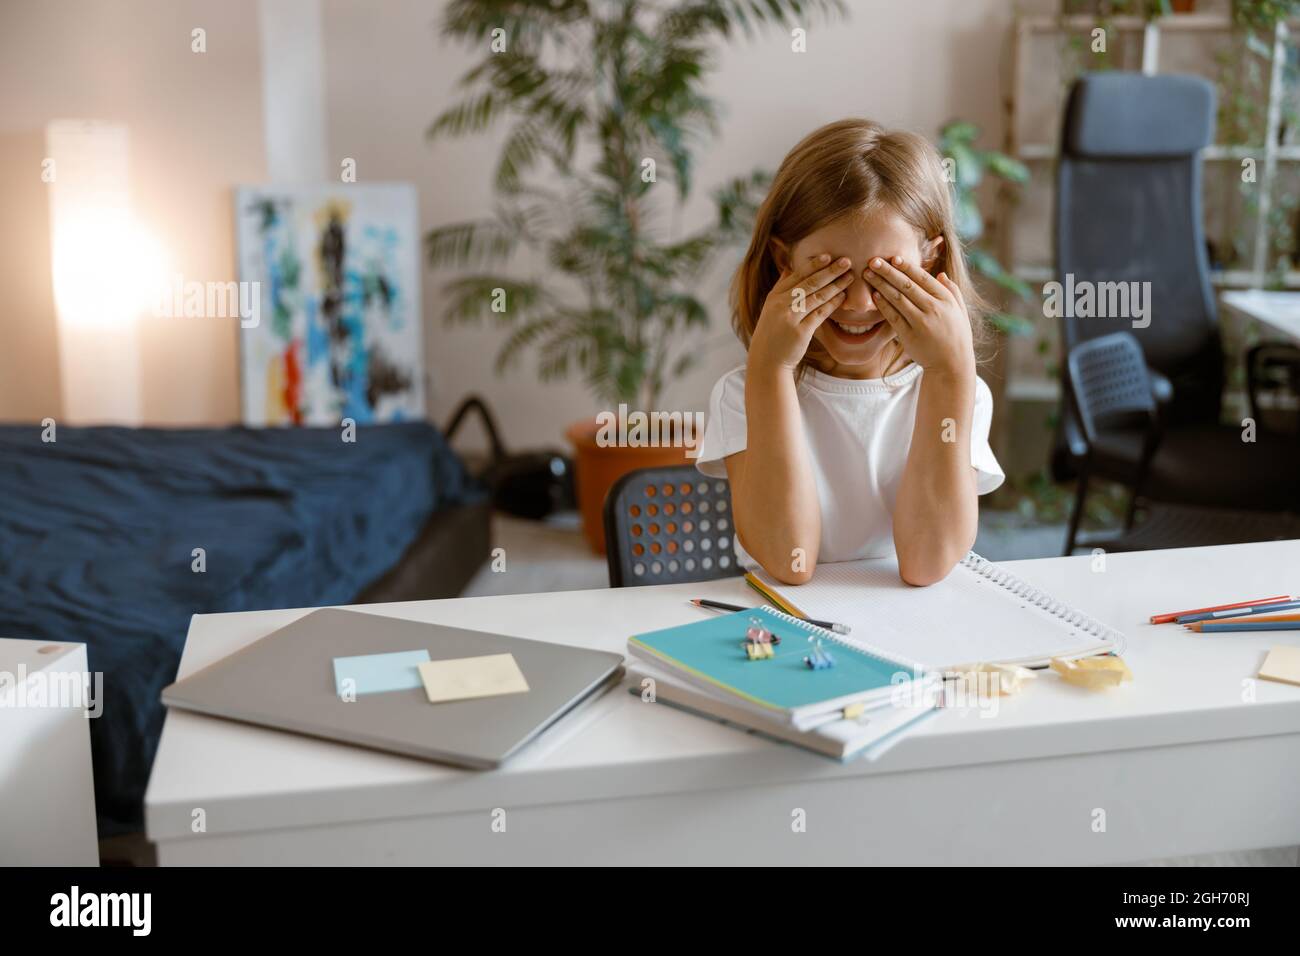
851, 167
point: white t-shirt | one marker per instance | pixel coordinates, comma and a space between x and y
858, 432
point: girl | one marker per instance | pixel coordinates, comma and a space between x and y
857, 427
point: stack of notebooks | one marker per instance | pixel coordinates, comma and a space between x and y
889, 669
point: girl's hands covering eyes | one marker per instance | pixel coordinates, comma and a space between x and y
927, 314
795, 307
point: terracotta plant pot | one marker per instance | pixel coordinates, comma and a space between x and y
597, 467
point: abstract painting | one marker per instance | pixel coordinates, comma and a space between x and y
339, 329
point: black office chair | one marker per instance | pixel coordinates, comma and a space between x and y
669, 526
1128, 209
1111, 395
1273, 383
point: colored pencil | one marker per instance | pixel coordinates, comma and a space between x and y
1239, 612
1215, 627
1172, 615
1261, 619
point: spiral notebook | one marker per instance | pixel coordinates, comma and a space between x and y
868, 735
710, 654
980, 613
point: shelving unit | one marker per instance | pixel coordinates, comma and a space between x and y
1270, 154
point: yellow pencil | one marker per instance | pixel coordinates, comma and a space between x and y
752, 580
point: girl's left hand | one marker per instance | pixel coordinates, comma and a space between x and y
927, 313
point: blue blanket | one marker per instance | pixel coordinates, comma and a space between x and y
98, 532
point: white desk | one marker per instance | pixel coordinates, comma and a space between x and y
47, 791
1182, 761
1279, 311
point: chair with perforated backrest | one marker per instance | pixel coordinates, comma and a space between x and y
1110, 389
669, 526
1111, 384
1110, 393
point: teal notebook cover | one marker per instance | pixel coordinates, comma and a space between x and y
714, 650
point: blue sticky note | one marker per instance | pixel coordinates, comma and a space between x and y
378, 673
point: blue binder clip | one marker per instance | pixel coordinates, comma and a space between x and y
819, 659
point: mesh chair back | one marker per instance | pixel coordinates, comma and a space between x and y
1129, 221
669, 526
1109, 383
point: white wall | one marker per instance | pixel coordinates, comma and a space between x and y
906, 64
195, 129
293, 91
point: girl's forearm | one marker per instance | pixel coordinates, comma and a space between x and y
778, 517
937, 510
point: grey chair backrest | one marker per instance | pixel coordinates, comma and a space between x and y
1109, 384
1128, 210
669, 526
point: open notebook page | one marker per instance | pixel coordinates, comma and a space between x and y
966, 618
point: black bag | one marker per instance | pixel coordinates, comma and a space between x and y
530, 484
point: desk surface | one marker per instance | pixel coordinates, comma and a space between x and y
1280, 311
1188, 688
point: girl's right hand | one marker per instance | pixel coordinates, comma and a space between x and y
794, 309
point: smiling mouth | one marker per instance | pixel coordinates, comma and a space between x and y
855, 332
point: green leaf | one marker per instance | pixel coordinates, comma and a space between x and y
468, 243
958, 133
468, 116
967, 168
471, 298
1003, 166
988, 266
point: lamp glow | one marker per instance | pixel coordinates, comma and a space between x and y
101, 265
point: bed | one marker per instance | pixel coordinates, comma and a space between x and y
115, 536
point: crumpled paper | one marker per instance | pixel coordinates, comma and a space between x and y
994, 680
1093, 673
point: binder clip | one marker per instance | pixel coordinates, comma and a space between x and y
757, 632
819, 659
758, 650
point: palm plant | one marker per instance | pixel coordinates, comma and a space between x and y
604, 101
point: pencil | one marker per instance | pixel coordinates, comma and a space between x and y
720, 606
1215, 627
1261, 619
1238, 612
1170, 616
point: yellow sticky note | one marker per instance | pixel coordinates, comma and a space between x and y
467, 677
1093, 673
1282, 665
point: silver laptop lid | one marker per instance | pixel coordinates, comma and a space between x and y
286, 681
